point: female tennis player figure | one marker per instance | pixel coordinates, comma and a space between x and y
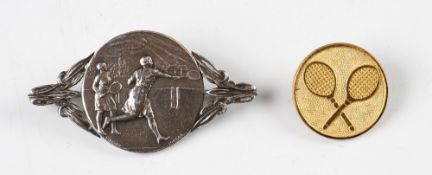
138, 103
104, 100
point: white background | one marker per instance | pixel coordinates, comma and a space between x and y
261, 42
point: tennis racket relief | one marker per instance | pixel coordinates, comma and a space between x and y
321, 81
362, 84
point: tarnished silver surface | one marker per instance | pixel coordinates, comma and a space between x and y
60, 94
143, 91
226, 92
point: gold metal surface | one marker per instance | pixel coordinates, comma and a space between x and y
340, 90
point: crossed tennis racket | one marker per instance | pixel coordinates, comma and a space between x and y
361, 85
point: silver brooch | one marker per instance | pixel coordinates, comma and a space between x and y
142, 91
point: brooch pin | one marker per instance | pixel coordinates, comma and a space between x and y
340, 90
142, 91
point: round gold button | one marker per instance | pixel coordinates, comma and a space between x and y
340, 90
